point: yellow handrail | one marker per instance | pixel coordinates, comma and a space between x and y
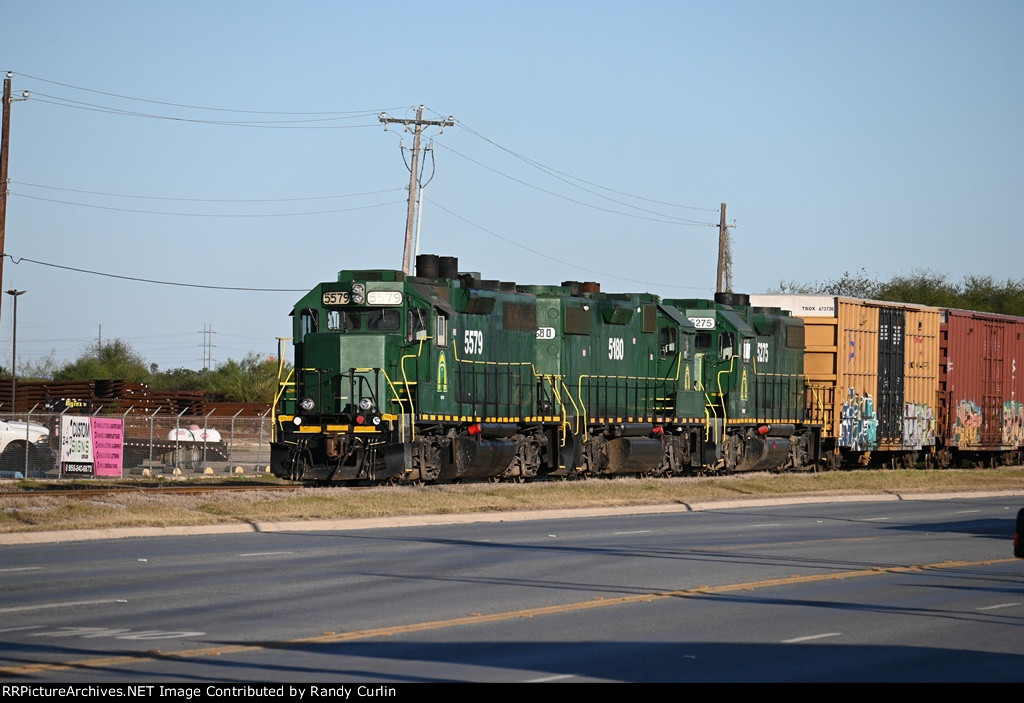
579, 380
281, 385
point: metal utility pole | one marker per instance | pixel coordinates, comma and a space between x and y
14, 348
724, 283
418, 124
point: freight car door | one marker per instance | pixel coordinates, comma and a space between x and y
891, 328
992, 384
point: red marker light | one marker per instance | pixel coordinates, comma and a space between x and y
474, 429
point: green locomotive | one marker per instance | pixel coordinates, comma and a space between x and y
443, 376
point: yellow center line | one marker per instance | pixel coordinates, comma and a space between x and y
477, 618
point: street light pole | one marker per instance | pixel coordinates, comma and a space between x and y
14, 347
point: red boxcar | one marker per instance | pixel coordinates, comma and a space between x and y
981, 388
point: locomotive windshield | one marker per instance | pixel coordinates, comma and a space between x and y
373, 319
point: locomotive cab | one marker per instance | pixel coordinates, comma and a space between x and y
749, 365
345, 410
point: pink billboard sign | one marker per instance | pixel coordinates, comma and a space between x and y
107, 446
91, 446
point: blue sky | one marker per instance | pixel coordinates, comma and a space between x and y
236, 144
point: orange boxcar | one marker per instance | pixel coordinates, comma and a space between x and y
872, 372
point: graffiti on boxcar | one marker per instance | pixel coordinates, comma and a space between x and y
967, 425
858, 427
1013, 423
918, 426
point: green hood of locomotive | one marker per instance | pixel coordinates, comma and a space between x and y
341, 365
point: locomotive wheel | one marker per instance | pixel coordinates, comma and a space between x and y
733, 453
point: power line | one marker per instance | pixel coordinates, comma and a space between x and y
208, 200
154, 281
317, 120
359, 113
672, 220
560, 261
554, 172
201, 214
265, 124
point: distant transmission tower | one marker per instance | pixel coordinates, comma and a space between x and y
207, 347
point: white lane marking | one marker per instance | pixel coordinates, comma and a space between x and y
634, 532
962, 512
26, 627
545, 679
768, 524
877, 519
812, 637
22, 568
262, 554
998, 606
64, 604
117, 633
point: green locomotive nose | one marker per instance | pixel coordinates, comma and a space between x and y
342, 370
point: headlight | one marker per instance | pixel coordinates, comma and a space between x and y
365, 403
297, 420
307, 404
358, 293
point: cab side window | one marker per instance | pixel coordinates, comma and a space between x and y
417, 326
667, 341
309, 322
725, 346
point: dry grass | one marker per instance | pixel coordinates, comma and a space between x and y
37, 512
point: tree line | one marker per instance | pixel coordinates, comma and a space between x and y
251, 380
974, 292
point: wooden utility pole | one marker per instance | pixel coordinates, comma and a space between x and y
724, 283
5, 143
419, 123
5, 140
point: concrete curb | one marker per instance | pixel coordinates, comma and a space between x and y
19, 538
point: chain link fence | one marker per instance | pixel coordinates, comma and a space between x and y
154, 444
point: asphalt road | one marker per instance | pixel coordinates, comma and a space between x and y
922, 590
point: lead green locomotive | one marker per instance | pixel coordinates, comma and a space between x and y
443, 376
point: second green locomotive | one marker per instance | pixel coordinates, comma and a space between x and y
443, 376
